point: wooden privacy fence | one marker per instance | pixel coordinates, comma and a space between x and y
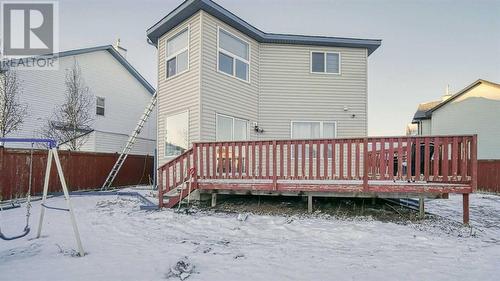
83, 170
441, 159
488, 175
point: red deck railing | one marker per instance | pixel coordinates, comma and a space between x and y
364, 164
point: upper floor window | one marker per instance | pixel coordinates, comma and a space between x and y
233, 55
178, 53
325, 62
99, 110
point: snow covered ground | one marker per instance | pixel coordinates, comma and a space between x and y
125, 243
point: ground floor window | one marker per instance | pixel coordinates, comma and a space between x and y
313, 130
230, 128
176, 134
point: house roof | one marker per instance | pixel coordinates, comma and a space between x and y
116, 55
463, 91
124, 62
425, 110
190, 7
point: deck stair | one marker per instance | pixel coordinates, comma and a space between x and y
178, 174
174, 196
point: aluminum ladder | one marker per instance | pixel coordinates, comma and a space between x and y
130, 143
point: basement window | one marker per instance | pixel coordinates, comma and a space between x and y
177, 53
99, 110
233, 56
325, 62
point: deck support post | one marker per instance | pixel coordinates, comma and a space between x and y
466, 208
309, 203
214, 199
421, 207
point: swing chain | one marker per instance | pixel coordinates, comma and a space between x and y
28, 201
26, 229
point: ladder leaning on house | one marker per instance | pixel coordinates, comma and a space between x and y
130, 143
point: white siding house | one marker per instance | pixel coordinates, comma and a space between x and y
222, 79
122, 91
473, 110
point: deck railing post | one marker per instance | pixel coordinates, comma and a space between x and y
160, 188
365, 164
195, 166
275, 178
473, 156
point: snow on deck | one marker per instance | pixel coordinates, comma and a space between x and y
125, 243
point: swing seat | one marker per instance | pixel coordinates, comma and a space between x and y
8, 238
54, 208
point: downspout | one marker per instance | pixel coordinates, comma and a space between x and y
155, 160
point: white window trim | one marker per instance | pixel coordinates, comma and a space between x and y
103, 107
167, 58
165, 129
233, 118
233, 56
324, 72
314, 121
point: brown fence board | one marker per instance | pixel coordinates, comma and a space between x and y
83, 170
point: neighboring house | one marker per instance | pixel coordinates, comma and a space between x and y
473, 110
420, 118
220, 78
120, 95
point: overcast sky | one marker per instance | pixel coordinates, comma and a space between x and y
425, 44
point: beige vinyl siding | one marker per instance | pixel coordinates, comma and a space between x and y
475, 112
181, 92
289, 92
424, 127
221, 93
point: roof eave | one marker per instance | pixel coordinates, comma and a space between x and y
114, 53
190, 7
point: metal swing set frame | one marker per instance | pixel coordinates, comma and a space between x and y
52, 155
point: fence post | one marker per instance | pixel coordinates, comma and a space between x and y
275, 179
365, 164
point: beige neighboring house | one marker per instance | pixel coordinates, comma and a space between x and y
222, 79
473, 110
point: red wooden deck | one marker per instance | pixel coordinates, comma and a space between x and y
369, 167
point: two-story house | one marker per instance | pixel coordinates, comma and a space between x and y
220, 78
119, 96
